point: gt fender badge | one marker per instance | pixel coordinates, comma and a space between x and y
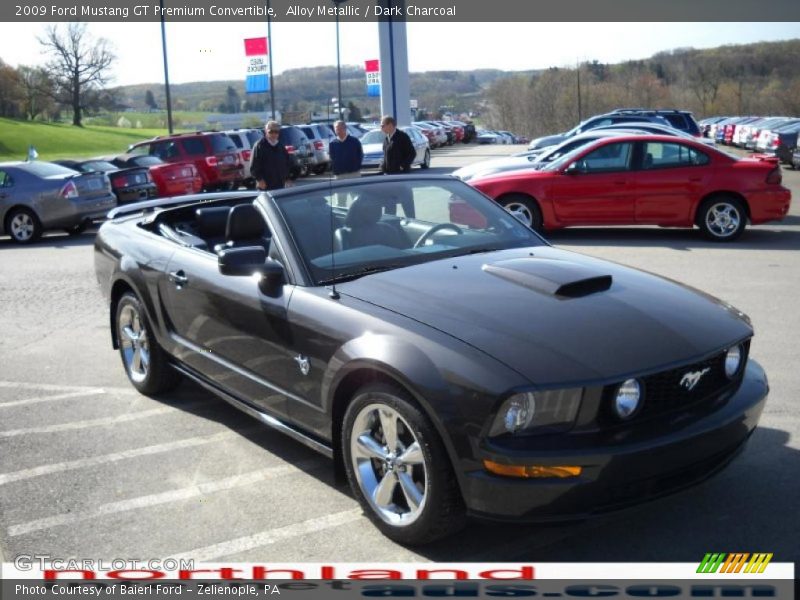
303, 363
691, 379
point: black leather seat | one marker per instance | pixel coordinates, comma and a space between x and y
210, 223
245, 227
362, 227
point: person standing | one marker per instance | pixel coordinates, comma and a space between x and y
346, 153
398, 151
270, 163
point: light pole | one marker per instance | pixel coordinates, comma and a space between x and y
337, 3
166, 68
269, 54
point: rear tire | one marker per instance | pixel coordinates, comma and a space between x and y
145, 362
398, 467
77, 229
524, 208
23, 226
722, 218
426, 163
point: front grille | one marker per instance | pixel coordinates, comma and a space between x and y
668, 391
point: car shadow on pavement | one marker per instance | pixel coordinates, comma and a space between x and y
196, 400
760, 238
52, 240
748, 507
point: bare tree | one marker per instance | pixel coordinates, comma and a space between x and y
79, 64
10, 92
37, 91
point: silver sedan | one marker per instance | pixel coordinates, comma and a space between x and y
37, 196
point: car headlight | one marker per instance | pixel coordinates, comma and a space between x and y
733, 360
541, 411
628, 399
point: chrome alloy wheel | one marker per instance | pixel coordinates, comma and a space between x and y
723, 219
22, 226
521, 212
135, 343
389, 464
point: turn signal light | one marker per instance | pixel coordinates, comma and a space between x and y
528, 471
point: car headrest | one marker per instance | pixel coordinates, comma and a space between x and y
211, 221
244, 223
363, 212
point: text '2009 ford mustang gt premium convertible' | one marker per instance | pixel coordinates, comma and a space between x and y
447, 358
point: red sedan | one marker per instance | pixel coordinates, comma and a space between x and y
172, 179
645, 180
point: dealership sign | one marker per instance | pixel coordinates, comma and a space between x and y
373, 69
256, 51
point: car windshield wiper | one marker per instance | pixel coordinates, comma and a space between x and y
359, 273
479, 251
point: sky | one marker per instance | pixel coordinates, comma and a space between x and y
214, 51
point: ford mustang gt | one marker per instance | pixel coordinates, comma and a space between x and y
449, 360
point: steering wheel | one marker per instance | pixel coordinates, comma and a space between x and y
435, 229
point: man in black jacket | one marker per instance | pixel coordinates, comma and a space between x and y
398, 151
270, 162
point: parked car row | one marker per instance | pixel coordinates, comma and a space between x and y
776, 136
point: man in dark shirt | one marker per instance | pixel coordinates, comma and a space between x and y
398, 151
346, 153
270, 162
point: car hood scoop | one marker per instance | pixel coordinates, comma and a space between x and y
550, 276
556, 316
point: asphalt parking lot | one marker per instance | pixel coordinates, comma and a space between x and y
91, 469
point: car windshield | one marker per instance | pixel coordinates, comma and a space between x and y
221, 143
373, 137
97, 165
146, 161
46, 169
360, 228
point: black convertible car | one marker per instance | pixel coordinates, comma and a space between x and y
447, 358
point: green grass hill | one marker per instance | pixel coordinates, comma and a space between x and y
57, 140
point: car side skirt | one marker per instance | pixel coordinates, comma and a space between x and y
249, 409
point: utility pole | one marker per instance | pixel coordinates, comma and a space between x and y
166, 68
580, 108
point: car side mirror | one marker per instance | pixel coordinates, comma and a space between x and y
249, 260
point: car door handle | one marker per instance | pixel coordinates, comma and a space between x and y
621, 182
178, 278
695, 179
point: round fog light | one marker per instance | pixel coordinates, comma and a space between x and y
732, 361
628, 397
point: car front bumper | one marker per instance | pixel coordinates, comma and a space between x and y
619, 474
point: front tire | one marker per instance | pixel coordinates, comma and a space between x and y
722, 218
524, 208
398, 467
427, 162
144, 360
23, 226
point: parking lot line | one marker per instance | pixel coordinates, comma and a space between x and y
64, 396
151, 500
94, 461
144, 414
50, 387
271, 536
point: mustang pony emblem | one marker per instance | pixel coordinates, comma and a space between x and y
690, 380
303, 364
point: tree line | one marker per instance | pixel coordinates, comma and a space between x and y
74, 77
752, 79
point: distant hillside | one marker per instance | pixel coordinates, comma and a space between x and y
312, 88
